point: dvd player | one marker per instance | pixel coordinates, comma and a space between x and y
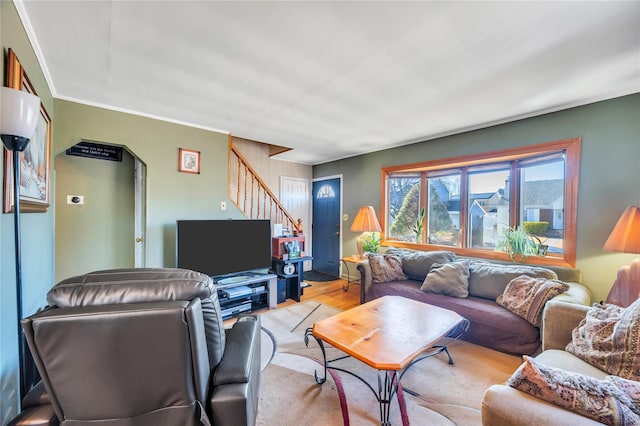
235, 310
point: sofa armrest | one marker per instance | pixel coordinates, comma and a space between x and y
236, 382
577, 293
504, 405
558, 321
242, 347
365, 278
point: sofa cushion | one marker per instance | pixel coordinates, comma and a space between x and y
451, 279
526, 296
609, 338
385, 268
417, 264
611, 401
489, 280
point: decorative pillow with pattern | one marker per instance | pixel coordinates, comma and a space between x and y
609, 338
526, 296
612, 401
385, 268
451, 279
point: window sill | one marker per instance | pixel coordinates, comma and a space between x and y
548, 260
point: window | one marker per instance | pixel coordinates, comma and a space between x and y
443, 211
325, 191
487, 204
469, 201
404, 201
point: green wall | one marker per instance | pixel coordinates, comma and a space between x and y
171, 195
108, 191
37, 232
609, 173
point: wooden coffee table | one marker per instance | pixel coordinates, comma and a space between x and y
389, 334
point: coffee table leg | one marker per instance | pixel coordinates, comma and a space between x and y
387, 387
309, 332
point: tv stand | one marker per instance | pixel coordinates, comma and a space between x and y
246, 292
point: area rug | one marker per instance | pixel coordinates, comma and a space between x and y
432, 391
318, 276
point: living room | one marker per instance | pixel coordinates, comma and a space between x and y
608, 182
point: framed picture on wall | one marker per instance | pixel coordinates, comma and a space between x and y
189, 161
34, 160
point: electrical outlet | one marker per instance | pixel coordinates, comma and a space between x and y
223, 205
76, 200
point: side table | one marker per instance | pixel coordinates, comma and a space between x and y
294, 279
346, 261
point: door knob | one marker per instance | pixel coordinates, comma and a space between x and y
139, 240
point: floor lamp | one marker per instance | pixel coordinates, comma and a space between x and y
19, 112
625, 238
365, 222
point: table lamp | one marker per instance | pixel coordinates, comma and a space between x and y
365, 222
625, 238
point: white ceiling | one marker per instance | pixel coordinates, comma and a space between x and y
336, 79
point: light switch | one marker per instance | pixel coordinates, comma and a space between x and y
223, 205
345, 217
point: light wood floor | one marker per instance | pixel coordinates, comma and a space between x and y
329, 293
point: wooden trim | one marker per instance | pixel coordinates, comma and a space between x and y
384, 200
572, 172
496, 156
572, 177
464, 208
549, 260
513, 195
424, 204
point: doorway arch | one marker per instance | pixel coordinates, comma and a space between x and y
106, 227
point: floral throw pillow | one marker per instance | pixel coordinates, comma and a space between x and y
608, 337
612, 401
385, 268
526, 296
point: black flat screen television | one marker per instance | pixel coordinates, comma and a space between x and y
223, 247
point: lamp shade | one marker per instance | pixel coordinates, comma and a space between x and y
19, 113
625, 237
366, 220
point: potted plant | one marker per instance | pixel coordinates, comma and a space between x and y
518, 243
371, 243
419, 226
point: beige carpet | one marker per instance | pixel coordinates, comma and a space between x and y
434, 392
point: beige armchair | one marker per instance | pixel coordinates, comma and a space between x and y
142, 347
504, 405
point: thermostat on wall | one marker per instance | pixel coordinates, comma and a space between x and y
75, 199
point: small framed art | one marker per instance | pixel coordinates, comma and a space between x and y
189, 161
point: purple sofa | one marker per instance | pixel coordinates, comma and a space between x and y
492, 325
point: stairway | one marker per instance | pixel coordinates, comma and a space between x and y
252, 196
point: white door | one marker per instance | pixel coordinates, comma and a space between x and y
294, 196
140, 213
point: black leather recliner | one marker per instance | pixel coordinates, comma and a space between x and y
142, 347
